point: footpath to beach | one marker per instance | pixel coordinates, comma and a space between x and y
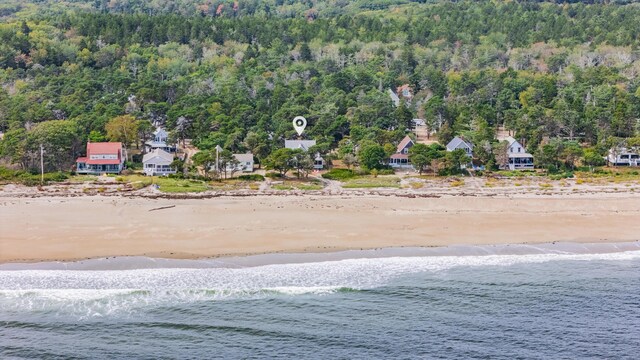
50, 226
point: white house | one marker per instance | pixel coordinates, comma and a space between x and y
159, 141
158, 162
318, 161
401, 158
519, 159
623, 157
245, 162
460, 143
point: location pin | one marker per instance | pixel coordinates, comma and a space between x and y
299, 123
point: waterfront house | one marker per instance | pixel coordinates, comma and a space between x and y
460, 143
159, 141
519, 159
620, 156
401, 158
102, 157
245, 162
305, 145
158, 162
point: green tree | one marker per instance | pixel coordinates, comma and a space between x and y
60, 141
206, 160
592, 158
96, 136
372, 156
422, 156
280, 160
455, 161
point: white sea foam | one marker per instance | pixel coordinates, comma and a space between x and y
94, 293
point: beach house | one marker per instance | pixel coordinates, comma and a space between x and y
305, 145
621, 156
102, 158
158, 162
159, 141
519, 159
244, 162
460, 143
401, 158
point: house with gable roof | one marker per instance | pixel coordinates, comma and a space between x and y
460, 143
401, 158
305, 145
519, 159
158, 162
102, 158
159, 141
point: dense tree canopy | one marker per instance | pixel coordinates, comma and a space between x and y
234, 74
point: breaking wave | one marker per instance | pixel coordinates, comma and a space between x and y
98, 293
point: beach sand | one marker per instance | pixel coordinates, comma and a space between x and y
71, 228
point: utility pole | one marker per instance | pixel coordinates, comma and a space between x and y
41, 165
218, 148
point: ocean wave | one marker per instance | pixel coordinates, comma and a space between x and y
94, 293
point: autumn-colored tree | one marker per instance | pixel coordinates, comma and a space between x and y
122, 129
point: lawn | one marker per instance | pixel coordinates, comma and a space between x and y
372, 182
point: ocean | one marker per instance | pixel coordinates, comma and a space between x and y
557, 301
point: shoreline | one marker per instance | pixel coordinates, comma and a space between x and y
279, 258
60, 228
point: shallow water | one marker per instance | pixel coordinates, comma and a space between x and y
540, 305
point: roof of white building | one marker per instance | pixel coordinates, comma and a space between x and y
157, 153
456, 142
299, 144
244, 157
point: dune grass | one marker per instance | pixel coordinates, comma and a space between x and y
364, 182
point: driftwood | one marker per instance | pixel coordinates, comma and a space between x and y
162, 208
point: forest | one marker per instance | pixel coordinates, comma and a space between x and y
559, 75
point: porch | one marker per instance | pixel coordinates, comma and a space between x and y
83, 168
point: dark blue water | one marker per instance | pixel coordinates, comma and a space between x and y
497, 307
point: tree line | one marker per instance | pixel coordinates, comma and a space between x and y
545, 71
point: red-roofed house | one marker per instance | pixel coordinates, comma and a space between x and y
102, 157
401, 157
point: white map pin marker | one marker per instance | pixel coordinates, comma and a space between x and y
299, 123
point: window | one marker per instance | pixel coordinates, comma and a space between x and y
519, 149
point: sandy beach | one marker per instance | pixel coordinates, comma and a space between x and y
70, 228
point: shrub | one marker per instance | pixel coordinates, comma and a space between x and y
251, 177
386, 172
273, 175
339, 174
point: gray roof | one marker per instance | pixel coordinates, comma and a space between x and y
510, 140
244, 157
456, 142
158, 153
299, 144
